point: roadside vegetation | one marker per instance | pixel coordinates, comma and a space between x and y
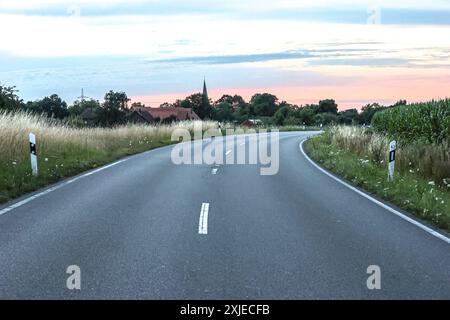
422, 177
64, 151
69, 144
262, 108
428, 122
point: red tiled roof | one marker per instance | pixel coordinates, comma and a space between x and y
164, 113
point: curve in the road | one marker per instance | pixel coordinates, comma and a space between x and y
378, 202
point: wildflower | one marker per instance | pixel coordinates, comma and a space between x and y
431, 183
14, 163
46, 159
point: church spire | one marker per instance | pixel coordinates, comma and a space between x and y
205, 91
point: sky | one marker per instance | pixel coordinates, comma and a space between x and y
161, 50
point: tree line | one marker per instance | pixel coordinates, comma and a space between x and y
115, 109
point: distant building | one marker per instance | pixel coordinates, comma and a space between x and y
167, 114
249, 123
89, 116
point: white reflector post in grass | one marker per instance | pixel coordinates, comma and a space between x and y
391, 167
33, 154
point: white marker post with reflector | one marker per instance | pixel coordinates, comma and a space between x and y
392, 149
33, 154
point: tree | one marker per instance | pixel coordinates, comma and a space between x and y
9, 99
349, 116
368, 111
176, 104
325, 118
287, 104
53, 107
199, 104
116, 100
400, 103
79, 106
114, 109
282, 114
243, 113
166, 105
264, 104
137, 105
223, 112
292, 121
306, 114
235, 101
328, 105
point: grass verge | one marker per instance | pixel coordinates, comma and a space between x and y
409, 191
64, 151
16, 179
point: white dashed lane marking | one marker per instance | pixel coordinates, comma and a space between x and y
203, 221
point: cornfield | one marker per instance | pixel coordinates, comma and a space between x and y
429, 122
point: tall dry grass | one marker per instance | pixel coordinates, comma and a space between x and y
55, 137
64, 151
429, 160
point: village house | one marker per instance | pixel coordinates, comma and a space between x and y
149, 115
249, 123
165, 114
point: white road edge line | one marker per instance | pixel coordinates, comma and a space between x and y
381, 204
203, 220
38, 195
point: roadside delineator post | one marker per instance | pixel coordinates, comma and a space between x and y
391, 167
33, 154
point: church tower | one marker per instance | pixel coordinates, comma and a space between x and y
205, 91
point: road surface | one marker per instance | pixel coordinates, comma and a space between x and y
135, 231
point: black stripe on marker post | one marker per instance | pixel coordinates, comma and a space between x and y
33, 148
392, 156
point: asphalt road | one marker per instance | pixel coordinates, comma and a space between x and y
133, 229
